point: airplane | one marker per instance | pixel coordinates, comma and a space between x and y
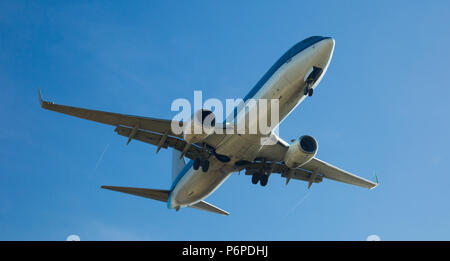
214, 157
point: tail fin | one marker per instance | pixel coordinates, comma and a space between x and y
177, 163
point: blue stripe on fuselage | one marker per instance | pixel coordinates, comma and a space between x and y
178, 178
294, 50
282, 60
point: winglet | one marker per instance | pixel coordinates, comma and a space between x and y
41, 101
376, 177
44, 104
377, 183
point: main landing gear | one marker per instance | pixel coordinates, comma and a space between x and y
260, 176
202, 160
260, 171
312, 78
204, 163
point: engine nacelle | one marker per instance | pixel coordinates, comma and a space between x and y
200, 126
301, 152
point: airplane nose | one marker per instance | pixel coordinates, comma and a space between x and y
317, 54
324, 52
328, 44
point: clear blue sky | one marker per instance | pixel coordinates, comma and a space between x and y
383, 105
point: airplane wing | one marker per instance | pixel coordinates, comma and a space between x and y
115, 119
313, 171
150, 130
334, 173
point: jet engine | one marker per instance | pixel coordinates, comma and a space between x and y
201, 125
301, 152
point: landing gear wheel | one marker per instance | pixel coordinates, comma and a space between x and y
205, 165
196, 163
263, 180
310, 92
255, 178
306, 90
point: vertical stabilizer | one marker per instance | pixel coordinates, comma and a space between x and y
177, 163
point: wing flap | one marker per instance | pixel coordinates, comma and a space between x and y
155, 139
334, 173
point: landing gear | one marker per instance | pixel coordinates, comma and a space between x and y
202, 160
263, 180
205, 165
312, 78
261, 177
196, 163
201, 163
308, 90
255, 178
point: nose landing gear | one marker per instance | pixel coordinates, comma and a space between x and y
312, 78
308, 90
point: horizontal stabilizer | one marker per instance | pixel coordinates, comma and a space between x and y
203, 205
163, 195
156, 194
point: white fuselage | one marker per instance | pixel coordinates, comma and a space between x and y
285, 82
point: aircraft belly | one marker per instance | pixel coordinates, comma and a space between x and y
197, 185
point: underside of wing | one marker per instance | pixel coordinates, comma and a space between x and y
154, 131
115, 119
279, 168
334, 173
161, 141
313, 171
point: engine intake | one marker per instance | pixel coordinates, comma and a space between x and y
301, 152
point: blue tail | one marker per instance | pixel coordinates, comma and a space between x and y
177, 163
